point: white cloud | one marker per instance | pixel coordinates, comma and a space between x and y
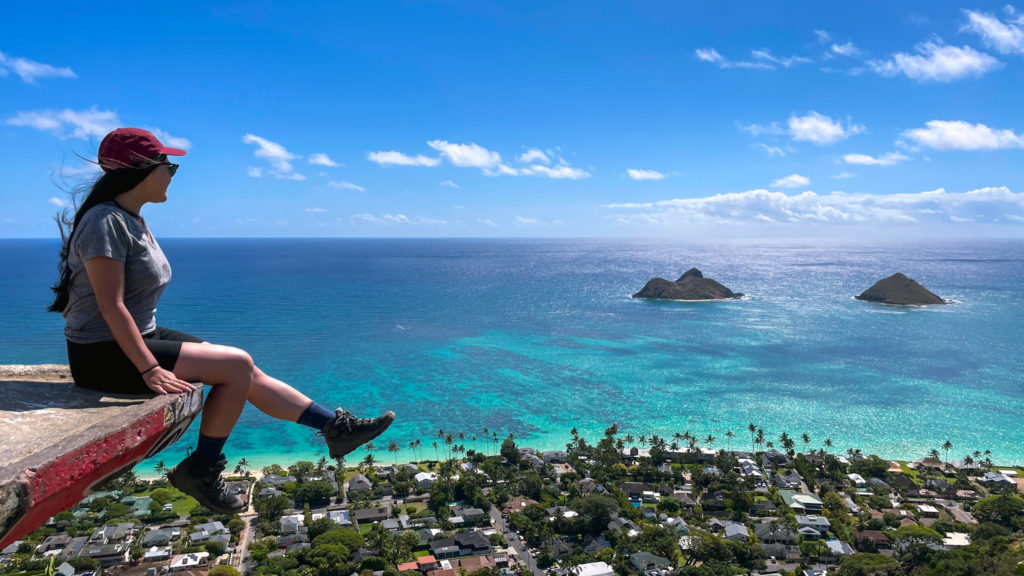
562, 171
383, 218
30, 70
487, 222
772, 151
431, 221
791, 181
172, 141
936, 62
475, 156
316, 210
959, 135
69, 123
533, 155
843, 175
449, 184
1005, 38
823, 36
276, 154
711, 55
85, 170
346, 186
255, 172
59, 202
888, 159
321, 159
708, 55
756, 130
847, 49
767, 56
644, 174
523, 221
466, 155
397, 219
820, 129
992, 204
391, 157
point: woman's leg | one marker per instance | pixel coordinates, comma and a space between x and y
275, 398
229, 371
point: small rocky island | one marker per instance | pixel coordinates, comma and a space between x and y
691, 286
901, 291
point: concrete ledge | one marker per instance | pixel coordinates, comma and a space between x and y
59, 440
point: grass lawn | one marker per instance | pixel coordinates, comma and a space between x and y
419, 506
421, 553
365, 527
181, 504
910, 472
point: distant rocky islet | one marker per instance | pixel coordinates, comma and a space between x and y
899, 290
690, 287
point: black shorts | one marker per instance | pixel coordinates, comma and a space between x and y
104, 366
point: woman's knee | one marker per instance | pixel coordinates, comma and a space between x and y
242, 365
215, 364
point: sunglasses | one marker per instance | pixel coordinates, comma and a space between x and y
171, 167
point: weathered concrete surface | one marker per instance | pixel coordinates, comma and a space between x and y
58, 441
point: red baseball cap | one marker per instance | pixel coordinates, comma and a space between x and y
130, 147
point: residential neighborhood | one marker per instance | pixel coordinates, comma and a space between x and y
637, 507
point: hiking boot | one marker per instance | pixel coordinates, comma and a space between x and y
201, 480
346, 432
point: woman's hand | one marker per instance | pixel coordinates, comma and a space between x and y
165, 382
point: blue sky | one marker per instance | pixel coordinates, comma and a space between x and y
477, 119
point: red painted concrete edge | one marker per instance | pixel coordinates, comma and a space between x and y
63, 482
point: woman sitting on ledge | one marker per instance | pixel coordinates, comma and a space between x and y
112, 275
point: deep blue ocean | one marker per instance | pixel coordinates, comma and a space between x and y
535, 337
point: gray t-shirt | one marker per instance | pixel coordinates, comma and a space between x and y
107, 230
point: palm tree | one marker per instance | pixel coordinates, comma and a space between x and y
759, 439
240, 468
752, 430
728, 440
412, 446
161, 468
393, 448
947, 446
630, 439
321, 464
710, 441
436, 456
828, 443
807, 440
934, 453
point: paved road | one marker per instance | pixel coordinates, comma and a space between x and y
514, 541
245, 537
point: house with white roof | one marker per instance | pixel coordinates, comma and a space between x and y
183, 562
424, 480
593, 569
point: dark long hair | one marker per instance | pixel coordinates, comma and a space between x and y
107, 187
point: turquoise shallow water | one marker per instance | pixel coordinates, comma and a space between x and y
535, 337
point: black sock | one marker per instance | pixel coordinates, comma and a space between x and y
209, 448
315, 416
